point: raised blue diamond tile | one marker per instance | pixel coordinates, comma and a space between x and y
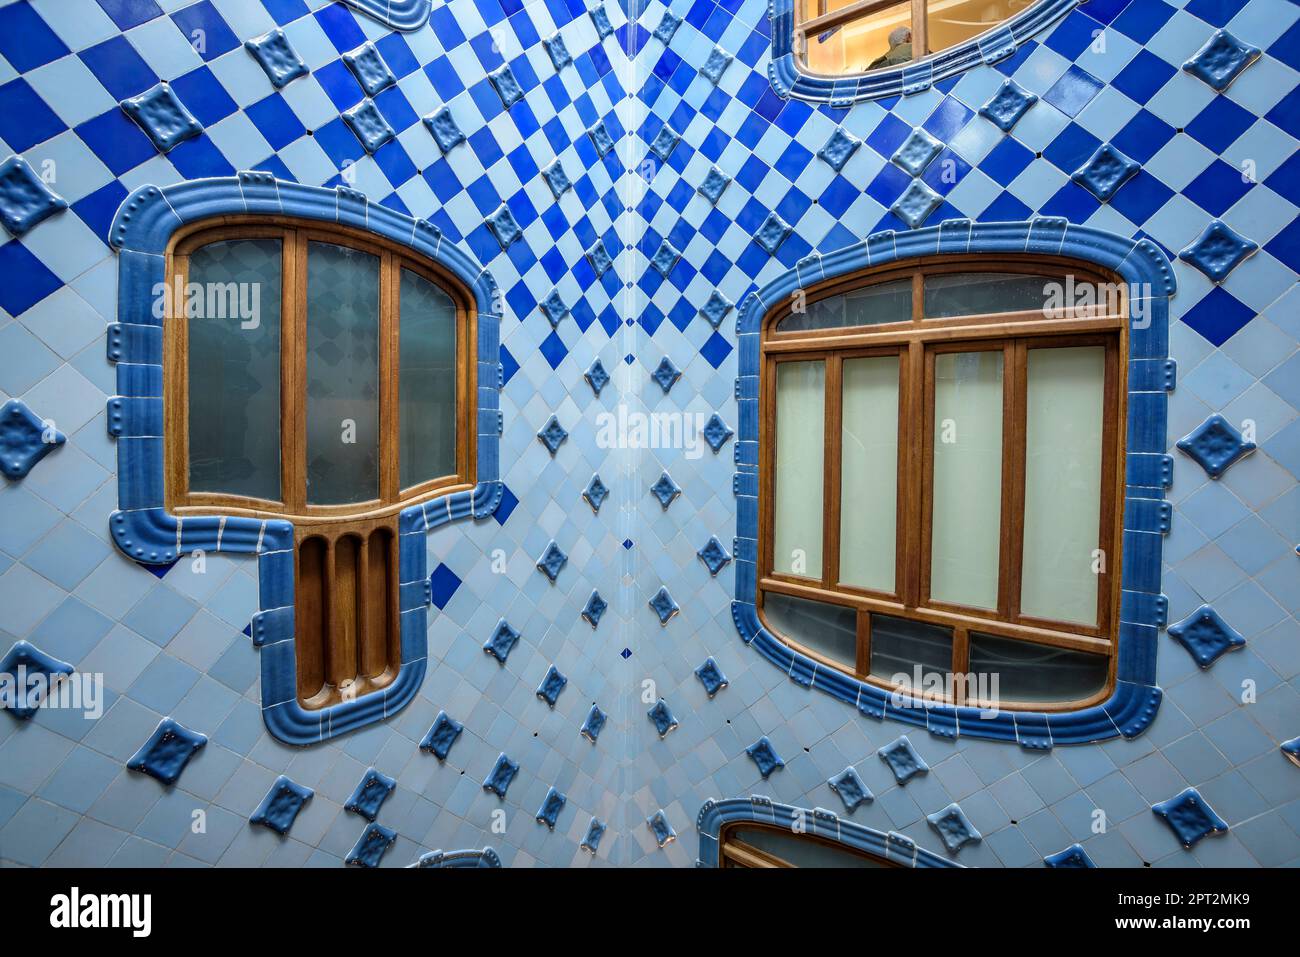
596, 376
167, 751
499, 778
714, 183
595, 493
1073, 856
281, 805
444, 129
371, 845
663, 831
370, 69
716, 65
595, 609
1221, 60
28, 674
839, 149
162, 116
716, 432
552, 560
25, 439
663, 605
668, 25
916, 204
1292, 750
554, 309
711, 677
502, 641
599, 257
1218, 250
595, 831
25, 200
1190, 817
557, 51
1215, 445
1008, 105
715, 309
441, 736
772, 233
661, 717
664, 142
277, 57
1105, 172
507, 87
369, 125
763, 754
665, 489
954, 827
600, 138
916, 152
601, 20
370, 794
665, 258
557, 178
848, 785
552, 435
551, 807
503, 226
666, 374
552, 684
595, 722
1206, 636
903, 760
714, 556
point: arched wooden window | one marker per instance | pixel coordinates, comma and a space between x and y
749, 844
941, 479
835, 37
320, 374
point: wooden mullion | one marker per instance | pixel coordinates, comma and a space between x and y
389, 413
913, 437
925, 518
920, 30
1112, 484
864, 642
960, 662
293, 376
832, 458
1011, 545
176, 410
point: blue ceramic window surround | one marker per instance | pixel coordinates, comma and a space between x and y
814, 823
405, 15
1144, 268
790, 79
144, 530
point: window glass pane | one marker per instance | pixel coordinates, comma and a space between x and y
1036, 673
952, 21
342, 375
233, 323
899, 646
979, 293
966, 518
1062, 482
868, 43
869, 306
800, 851
869, 473
800, 438
427, 382
830, 630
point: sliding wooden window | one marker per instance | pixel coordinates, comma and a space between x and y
324, 375
762, 846
834, 37
941, 477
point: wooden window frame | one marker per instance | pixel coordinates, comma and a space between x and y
916, 340
735, 853
294, 235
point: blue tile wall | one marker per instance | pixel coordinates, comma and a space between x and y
629, 175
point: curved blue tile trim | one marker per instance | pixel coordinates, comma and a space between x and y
989, 47
145, 532
816, 822
469, 858
405, 15
1140, 264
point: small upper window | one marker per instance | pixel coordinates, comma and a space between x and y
319, 374
836, 37
940, 479
762, 846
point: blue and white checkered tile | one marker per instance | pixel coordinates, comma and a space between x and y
173, 641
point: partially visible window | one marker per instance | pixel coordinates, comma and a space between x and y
763, 846
322, 375
835, 37
940, 479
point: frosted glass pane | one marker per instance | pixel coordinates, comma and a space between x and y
868, 306
830, 630
1062, 482
1035, 673
342, 375
978, 293
900, 646
967, 512
427, 383
869, 472
234, 369
800, 438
